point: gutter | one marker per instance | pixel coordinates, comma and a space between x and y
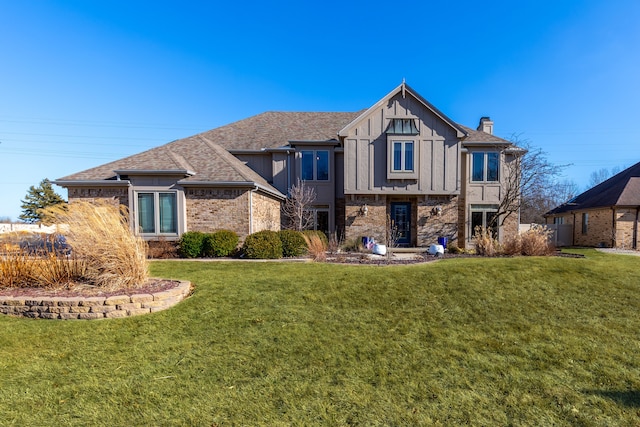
101, 183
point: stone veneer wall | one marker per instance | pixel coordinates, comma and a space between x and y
374, 224
210, 209
431, 226
89, 308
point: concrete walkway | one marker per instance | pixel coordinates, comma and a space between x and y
619, 251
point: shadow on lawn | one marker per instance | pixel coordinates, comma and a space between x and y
630, 398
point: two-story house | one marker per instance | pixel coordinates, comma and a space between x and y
400, 163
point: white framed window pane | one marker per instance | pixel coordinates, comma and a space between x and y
492, 166
306, 165
146, 213
397, 156
322, 165
408, 156
167, 210
477, 173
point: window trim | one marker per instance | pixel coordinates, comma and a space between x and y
485, 166
403, 172
157, 221
484, 209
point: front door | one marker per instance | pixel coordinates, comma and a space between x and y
401, 222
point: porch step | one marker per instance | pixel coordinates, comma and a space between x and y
414, 250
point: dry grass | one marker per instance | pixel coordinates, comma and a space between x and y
105, 253
100, 235
316, 246
485, 242
534, 242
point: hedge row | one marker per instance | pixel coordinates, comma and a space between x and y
264, 244
195, 244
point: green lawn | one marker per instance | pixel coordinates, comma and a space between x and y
487, 342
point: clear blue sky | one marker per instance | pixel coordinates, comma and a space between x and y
84, 82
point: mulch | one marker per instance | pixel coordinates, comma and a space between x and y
84, 290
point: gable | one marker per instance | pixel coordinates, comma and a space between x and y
402, 102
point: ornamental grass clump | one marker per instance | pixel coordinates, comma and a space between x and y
99, 235
485, 242
316, 246
31, 260
534, 242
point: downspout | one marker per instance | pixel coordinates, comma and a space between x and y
251, 209
573, 232
635, 229
614, 233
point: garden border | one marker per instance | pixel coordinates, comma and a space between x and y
93, 307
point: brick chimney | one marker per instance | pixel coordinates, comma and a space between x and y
486, 125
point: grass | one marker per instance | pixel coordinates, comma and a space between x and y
508, 341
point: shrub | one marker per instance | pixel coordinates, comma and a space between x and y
220, 243
486, 243
353, 245
190, 245
162, 249
454, 249
293, 243
264, 244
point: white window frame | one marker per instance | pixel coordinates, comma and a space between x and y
404, 172
156, 212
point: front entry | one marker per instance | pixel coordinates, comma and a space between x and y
401, 221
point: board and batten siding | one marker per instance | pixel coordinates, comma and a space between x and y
437, 154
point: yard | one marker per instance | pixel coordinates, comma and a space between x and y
478, 341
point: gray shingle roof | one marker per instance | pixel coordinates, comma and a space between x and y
274, 129
207, 153
483, 137
622, 189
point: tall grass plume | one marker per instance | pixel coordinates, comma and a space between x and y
99, 234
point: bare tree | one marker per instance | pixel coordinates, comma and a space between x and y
527, 183
601, 175
296, 207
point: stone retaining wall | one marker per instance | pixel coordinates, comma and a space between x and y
89, 308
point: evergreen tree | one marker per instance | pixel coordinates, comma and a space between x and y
38, 199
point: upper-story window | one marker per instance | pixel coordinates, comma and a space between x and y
402, 153
402, 156
485, 166
314, 165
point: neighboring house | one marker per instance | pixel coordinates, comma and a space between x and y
605, 215
401, 161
